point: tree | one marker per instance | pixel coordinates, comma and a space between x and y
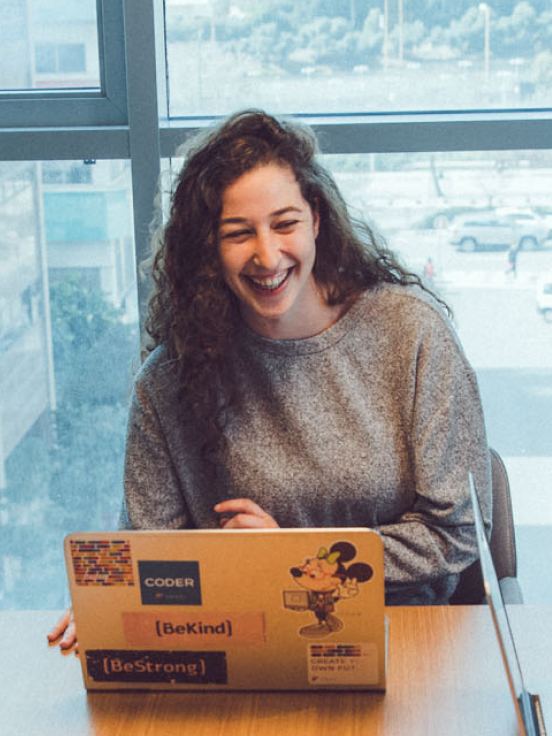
92, 346
75, 482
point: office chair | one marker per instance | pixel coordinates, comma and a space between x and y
502, 543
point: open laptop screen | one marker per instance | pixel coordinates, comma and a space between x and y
527, 706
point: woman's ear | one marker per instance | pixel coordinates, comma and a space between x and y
315, 218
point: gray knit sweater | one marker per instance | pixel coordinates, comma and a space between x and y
374, 422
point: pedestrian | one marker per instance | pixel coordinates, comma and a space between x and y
512, 260
429, 273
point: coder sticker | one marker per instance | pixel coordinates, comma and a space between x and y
343, 664
123, 665
167, 583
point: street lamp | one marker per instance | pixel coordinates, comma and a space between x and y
401, 31
385, 32
484, 8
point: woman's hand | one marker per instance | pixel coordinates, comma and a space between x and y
65, 628
242, 513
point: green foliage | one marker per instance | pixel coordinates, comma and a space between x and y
92, 347
79, 314
67, 474
86, 479
341, 34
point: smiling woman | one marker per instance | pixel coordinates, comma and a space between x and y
298, 375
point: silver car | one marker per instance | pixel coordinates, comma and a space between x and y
531, 230
499, 230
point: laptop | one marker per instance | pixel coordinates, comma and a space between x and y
278, 609
528, 707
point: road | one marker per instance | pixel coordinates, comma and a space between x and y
484, 268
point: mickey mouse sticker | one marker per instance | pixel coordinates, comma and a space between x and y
326, 580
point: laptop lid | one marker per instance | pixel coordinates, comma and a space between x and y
527, 706
279, 609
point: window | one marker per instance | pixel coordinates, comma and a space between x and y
60, 37
435, 119
62, 63
462, 212
345, 56
68, 337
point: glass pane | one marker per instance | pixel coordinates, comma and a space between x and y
453, 219
68, 344
335, 56
48, 44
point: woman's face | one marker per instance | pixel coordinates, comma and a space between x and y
267, 247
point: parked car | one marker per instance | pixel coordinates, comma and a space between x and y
531, 230
544, 296
481, 231
442, 218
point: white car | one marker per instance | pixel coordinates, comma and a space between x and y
499, 230
481, 231
532, 231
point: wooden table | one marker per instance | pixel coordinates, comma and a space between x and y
445, 677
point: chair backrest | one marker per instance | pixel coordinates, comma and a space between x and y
502, 542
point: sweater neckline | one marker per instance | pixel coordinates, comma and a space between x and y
306, 345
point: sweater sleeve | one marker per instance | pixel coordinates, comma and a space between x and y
431, 543
153, 498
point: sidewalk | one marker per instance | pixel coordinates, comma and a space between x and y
486, 280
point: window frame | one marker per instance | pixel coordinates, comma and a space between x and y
78, 107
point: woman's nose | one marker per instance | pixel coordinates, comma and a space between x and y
267, 254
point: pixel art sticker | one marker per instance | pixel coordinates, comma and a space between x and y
102, 562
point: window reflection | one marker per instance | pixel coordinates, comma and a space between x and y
342, 56
48, 44
463, 213
68, 339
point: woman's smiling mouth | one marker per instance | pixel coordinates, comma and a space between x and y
271, 283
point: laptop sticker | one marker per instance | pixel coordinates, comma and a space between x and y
102, 562
147, 629
342, 664
325, 580
122, 665
167, 583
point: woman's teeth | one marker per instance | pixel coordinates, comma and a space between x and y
270, 282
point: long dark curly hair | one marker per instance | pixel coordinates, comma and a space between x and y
192, 311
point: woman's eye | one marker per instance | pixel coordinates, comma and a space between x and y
286, 224
236, 235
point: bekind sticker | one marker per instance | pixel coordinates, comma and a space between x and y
343, 664
123, 665
144, 629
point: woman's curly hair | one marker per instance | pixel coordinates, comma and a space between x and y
192, 311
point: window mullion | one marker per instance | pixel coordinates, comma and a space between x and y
143, 120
